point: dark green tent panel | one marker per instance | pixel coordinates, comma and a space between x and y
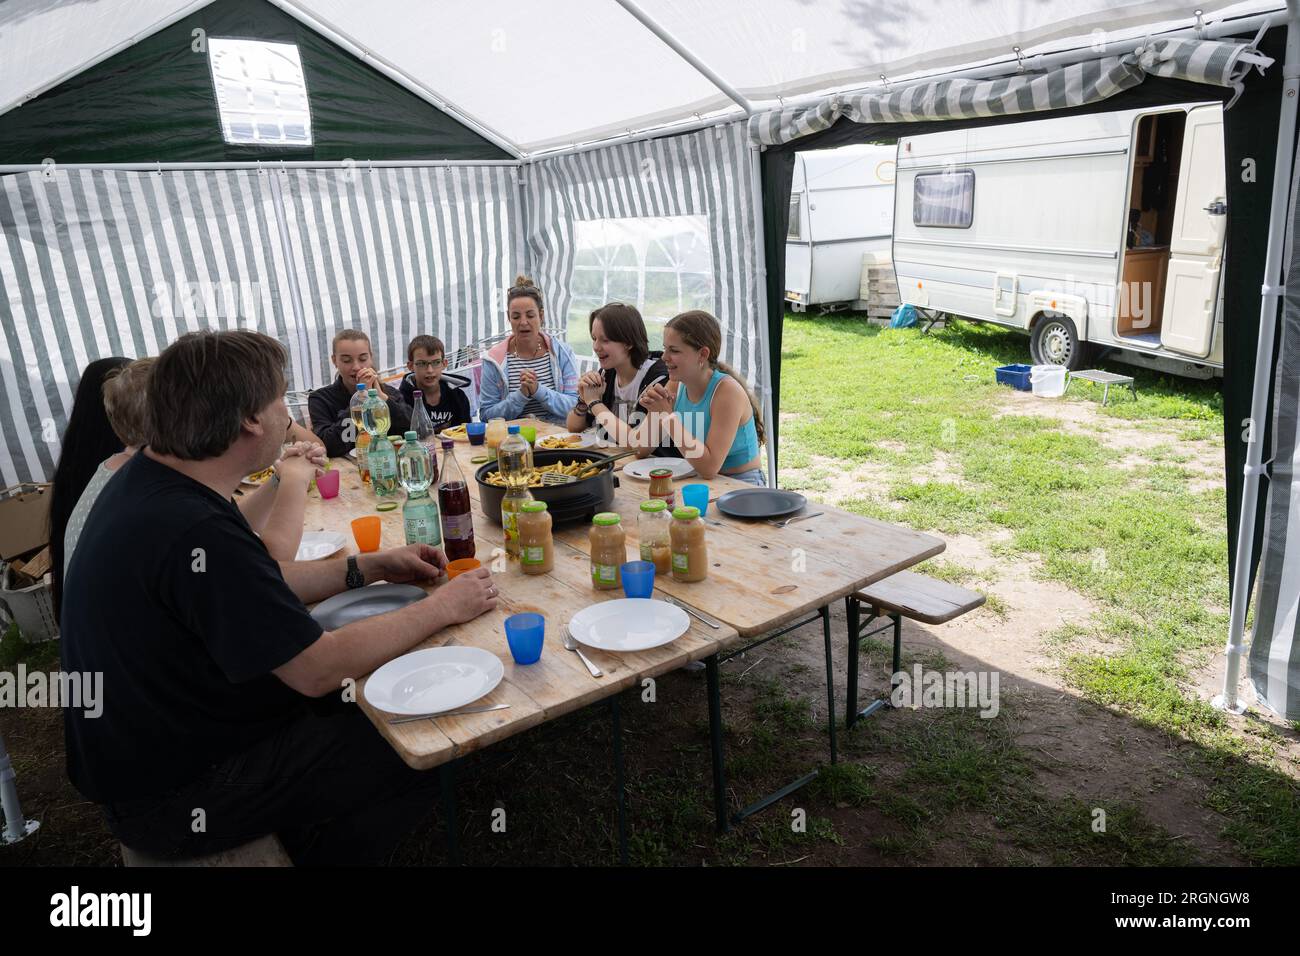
155, 101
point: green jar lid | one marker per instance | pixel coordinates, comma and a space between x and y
686, 513
410, 436
606, 518
654, 504
533, 506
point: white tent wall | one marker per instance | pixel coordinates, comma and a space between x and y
95, 263
401, 251
706, 173
101, 262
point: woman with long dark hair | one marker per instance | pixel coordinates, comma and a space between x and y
87, 441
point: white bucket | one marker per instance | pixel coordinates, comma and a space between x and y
1048, 381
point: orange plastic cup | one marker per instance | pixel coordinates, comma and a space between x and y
366, 530
461, 566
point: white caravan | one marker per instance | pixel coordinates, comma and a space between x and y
841, 206
1099, 233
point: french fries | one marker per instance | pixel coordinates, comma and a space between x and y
578, 469
560, 441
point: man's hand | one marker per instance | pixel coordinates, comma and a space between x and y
467, 595
528, 382
312, 451
412, 564
296, 471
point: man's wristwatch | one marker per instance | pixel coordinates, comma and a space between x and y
582, 408
355, 578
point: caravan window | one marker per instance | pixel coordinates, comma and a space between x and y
261, 92
944, 199
795, 231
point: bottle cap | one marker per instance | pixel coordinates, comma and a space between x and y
654, 504
410, 436
447, 444
661, 472
373, 392
361, 386
533, 507
686, 513
513, 430
606, 519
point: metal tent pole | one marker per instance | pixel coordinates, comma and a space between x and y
1278, 225
15, 828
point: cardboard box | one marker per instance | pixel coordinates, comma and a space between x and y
24, 519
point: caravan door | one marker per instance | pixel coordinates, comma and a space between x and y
1196, 245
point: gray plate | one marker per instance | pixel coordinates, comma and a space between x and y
761, 503
355, 605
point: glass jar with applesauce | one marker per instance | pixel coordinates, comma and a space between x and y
608, 551
536, 546
652, 532
690, 556
494, 435
661, 486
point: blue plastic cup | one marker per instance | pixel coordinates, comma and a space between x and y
524, 633
638, 578
476, 432
696, 496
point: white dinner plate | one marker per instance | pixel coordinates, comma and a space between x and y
319, 544
434, 679
640, 469
585, 440
629, 624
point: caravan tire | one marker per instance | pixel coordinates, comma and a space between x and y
1055, 341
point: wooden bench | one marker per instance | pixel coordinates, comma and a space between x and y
902, 595
264, 851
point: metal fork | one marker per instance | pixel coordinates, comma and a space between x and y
572, 645
782, 524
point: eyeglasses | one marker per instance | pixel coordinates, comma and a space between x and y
423, 364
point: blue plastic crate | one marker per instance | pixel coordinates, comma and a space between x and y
1017, 376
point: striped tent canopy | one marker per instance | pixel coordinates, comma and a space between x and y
1091, 81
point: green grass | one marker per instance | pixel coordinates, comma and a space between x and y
1142, 543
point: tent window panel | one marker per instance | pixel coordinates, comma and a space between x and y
261, 92
946, 199
796, 227
663, 265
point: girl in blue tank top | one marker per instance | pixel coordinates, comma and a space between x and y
704, 410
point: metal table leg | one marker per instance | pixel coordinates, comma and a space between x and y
715, 724
830, 677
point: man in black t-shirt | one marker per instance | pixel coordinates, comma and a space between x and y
207, 652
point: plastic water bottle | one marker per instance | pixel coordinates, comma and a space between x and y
422, 425
420, 513
383, 466
514, 462
361, 437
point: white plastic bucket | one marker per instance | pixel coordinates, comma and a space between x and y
1048, 381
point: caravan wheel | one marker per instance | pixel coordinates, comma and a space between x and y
1055, 341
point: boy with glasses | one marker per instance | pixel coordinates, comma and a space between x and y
447, 405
